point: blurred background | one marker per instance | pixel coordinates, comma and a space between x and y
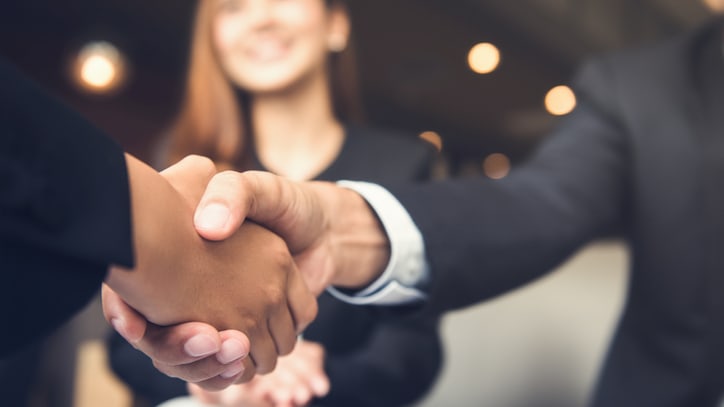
480, 79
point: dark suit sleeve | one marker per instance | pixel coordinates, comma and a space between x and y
485, 237
64, 210
398, 365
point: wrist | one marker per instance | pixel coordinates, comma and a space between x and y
360, 247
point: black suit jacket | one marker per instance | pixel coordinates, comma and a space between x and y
642, 155
373, 358
64, 210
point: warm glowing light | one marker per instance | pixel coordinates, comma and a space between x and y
560, 100
496, 166
715, 5
483, 58
97, 71
99, 67
432, 138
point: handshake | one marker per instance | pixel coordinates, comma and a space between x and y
228, 266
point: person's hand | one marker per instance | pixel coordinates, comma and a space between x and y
248, 282
334, 235
194, 351
297, 379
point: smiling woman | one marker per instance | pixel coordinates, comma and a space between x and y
246, 57
264, 59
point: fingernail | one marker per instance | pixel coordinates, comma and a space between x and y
231, 350
200, 345
233, 371
213, 216
120, 326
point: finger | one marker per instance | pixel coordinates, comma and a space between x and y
214, 372
244, 395
313, 381
180, 344
281, 205
124, 319
282, 329
223, 207
249, 372
234, 345
319, 383
231, 359
309, 364
302, 395
283, 387
263, 350
202, 371
190, 176
302, 304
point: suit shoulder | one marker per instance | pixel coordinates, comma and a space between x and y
647, 64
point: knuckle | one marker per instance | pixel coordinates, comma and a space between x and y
248, 374
275, 296
267, 366
201, 163
309, 313
286, 345
228, 177
250, 325
281, 254
163, 368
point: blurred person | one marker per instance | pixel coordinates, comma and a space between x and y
271, 86
641, 156
75, 212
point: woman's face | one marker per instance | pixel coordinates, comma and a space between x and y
269, 45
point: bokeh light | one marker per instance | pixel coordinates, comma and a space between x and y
99, 68
496, 166
483, 58
560, 100
432, 138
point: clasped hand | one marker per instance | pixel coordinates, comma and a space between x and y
247, 285
335, 239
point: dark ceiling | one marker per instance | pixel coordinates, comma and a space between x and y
412, 60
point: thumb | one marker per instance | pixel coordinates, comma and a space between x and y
125, 320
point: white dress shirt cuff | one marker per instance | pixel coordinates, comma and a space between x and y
408, 269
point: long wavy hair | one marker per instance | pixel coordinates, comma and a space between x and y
214, 119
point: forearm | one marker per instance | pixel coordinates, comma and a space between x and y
484, 238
